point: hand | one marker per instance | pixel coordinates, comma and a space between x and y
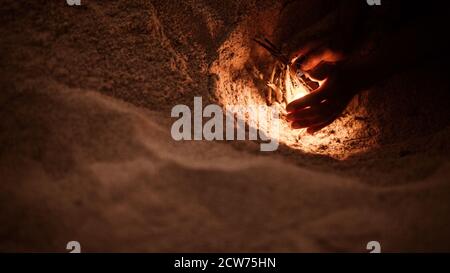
322, 61
321, 107
337, 29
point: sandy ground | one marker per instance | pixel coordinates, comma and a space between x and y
86, 152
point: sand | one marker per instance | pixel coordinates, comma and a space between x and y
86, 152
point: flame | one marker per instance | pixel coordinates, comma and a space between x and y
294, 88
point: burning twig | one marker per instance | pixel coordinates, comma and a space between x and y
285, 82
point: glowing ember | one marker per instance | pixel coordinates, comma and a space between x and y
295, 87
285, 83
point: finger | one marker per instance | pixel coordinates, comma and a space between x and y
303, 49
315, 57
306, 123
317, 116
304, 102
314, 98
321, 72
308, 113
302, 114
333, 114
312, 37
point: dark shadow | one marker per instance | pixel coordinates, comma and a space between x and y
408, 103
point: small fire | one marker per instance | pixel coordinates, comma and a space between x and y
286, 83
295, 88
236, 88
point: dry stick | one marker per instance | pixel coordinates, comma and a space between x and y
272, 77
284, 58
285, 73
273, 50
287, 85
280, 87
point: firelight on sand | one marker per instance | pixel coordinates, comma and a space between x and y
242, 80
286, 84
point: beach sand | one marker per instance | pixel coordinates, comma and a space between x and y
86, 152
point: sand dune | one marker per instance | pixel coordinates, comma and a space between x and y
86, 152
